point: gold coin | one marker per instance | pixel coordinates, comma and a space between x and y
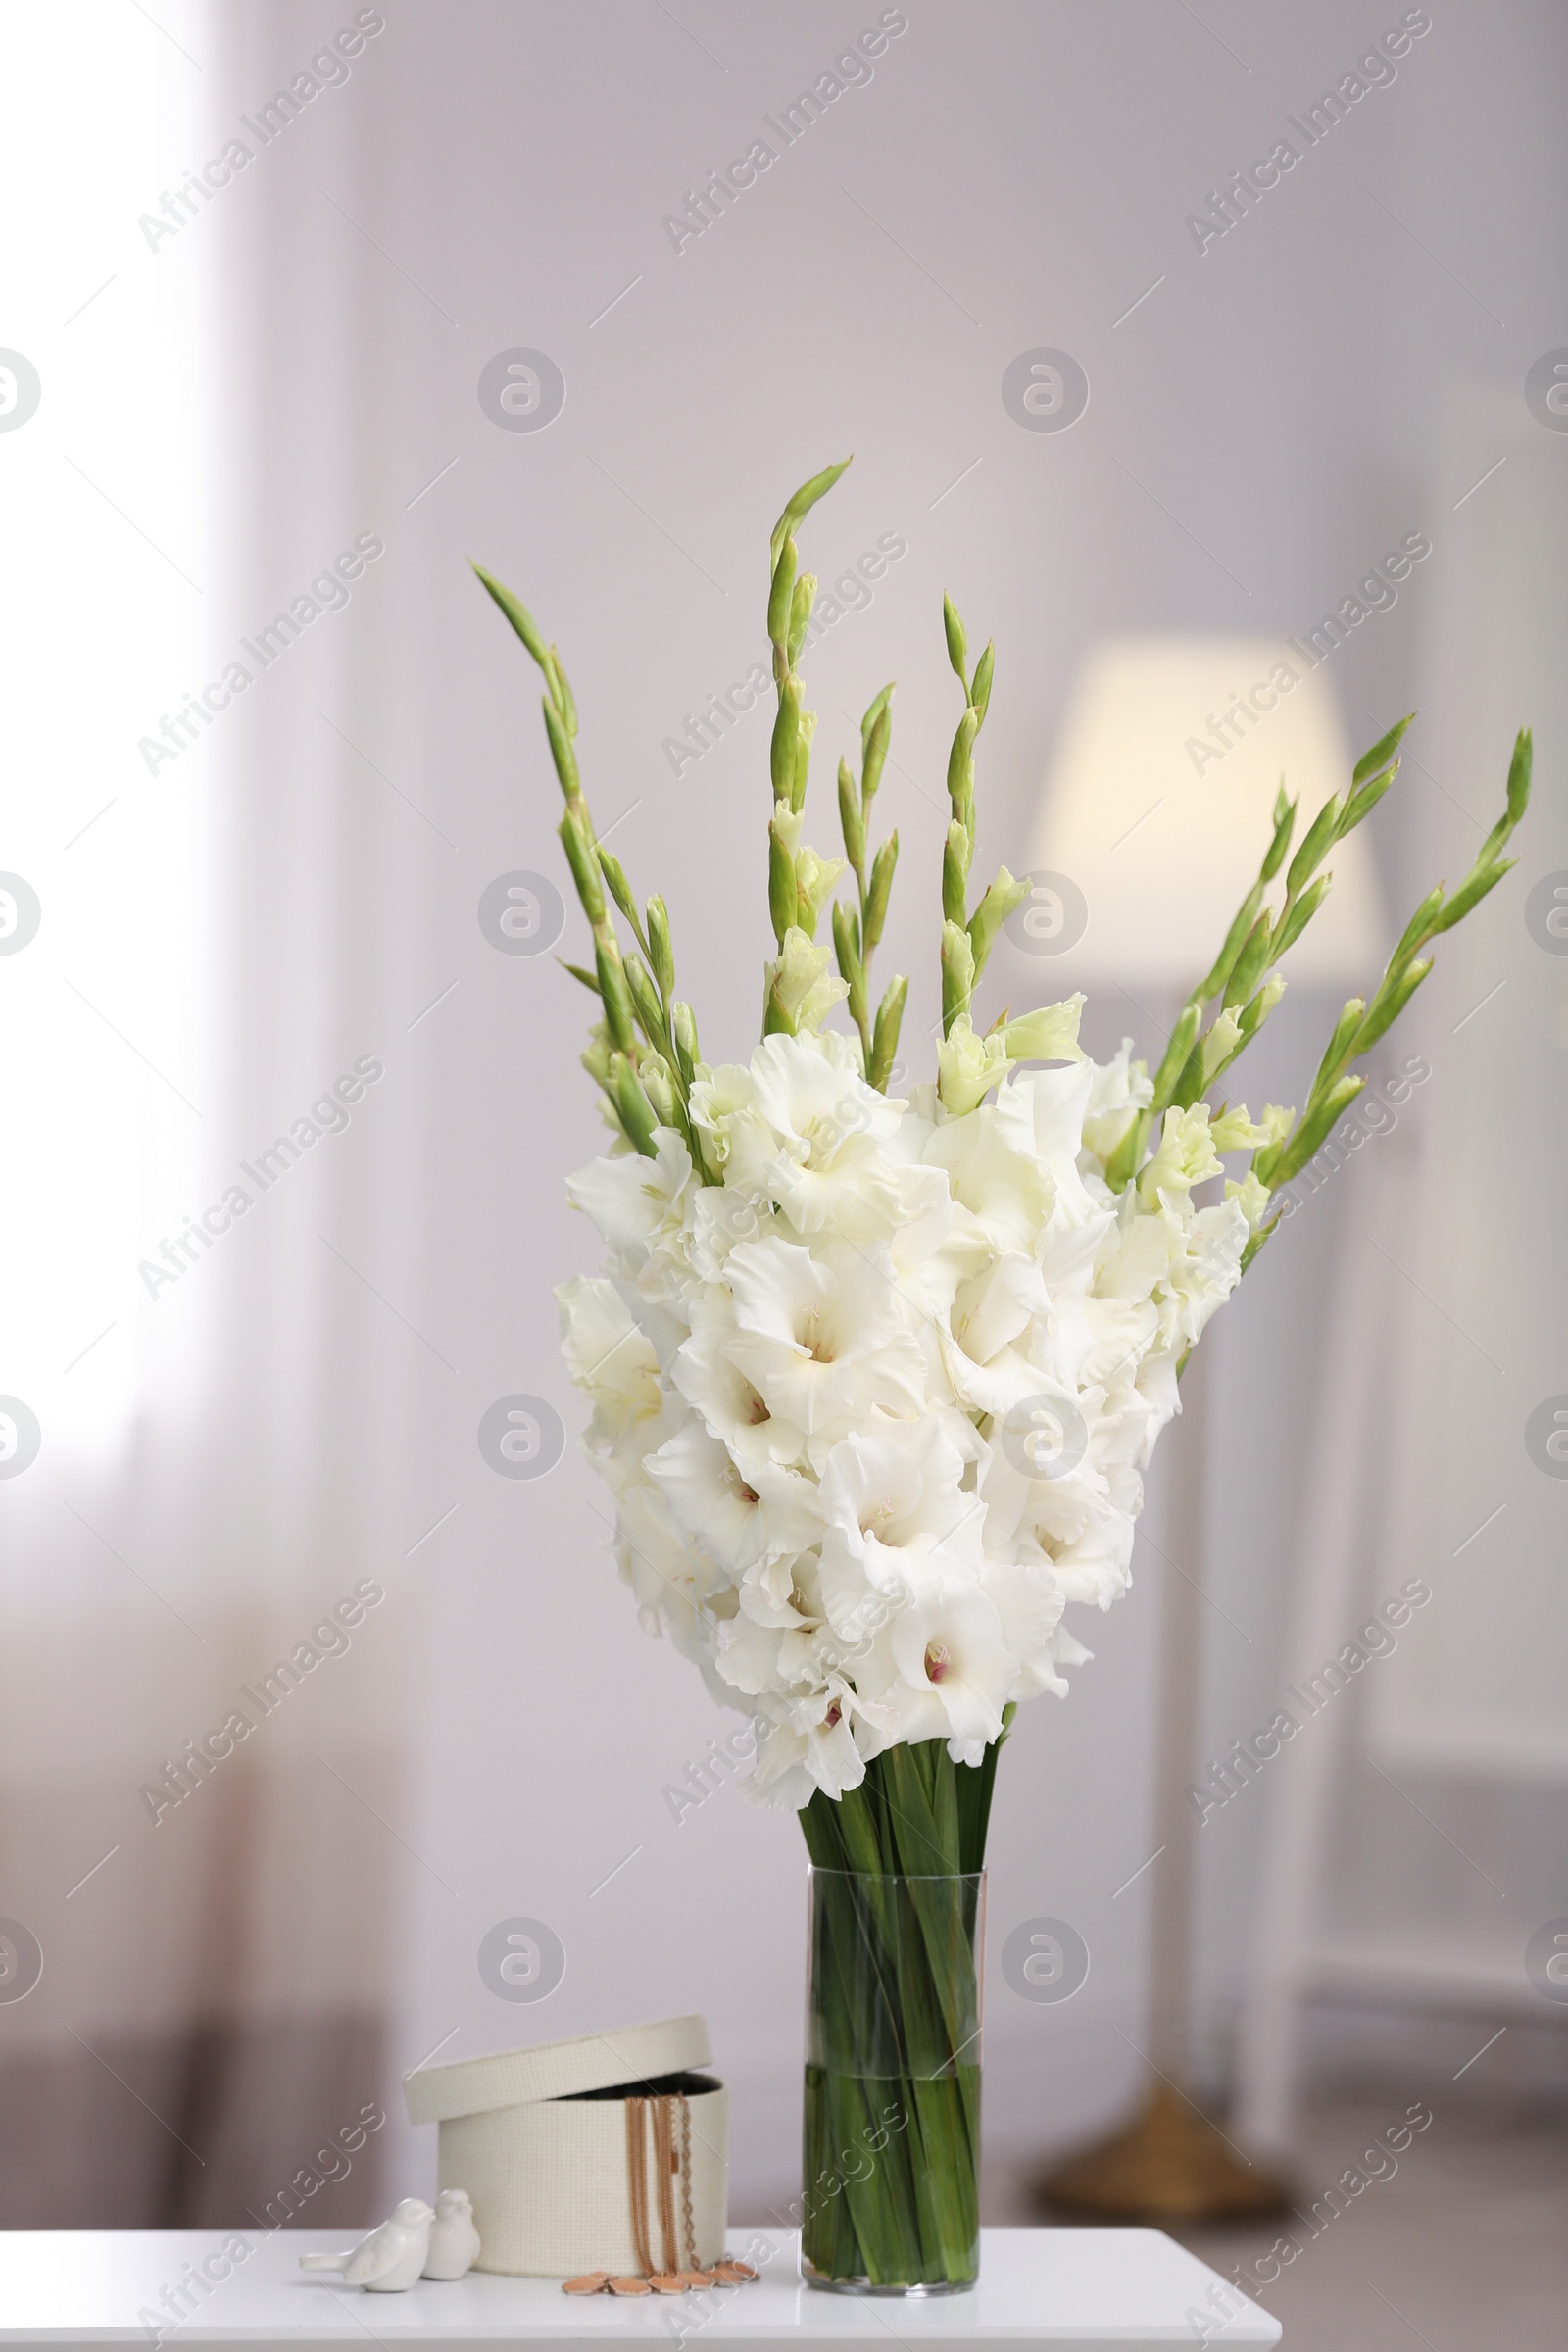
629, 2287
696, 2278
592, 2283
667, 2283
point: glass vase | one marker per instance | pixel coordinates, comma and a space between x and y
892, 2155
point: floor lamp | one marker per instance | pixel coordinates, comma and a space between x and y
1148, 838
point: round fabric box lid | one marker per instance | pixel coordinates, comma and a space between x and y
555, 2070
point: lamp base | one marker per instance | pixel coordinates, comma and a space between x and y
1170, 2165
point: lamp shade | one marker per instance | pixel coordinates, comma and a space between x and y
1158, 805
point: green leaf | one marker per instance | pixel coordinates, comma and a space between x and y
683, 1033
1418, 928
1235, 940
959, 772
781, 595
1302, 913
611, 868
588, 979
885, 1038
522, 619
1470, 893
1190, 1083
783, 898
1177, 1054
1004, 896
802, 758
1125, 1161
776, 1016
1283, 825
1288, 1159
1382, 751
852, 819
560, 751
1365, 800
875, 753
657, 1082
801, 604
1340, 1045
846, 948
575, 841
958, 644
980, 690
1520, 768
786, 729
645, 1000
617, 997
956, 874
1389, 1002
661, 952
876, 730
876, 897
1319, 834
927, 1845
635, 1109
1494, 840
565, 704
1248, 968
804, 498
958, 972
1255, 1011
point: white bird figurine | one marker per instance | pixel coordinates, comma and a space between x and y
454, 2239
391, 2258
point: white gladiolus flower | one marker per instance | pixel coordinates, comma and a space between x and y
637, 1202
607, 1355
970, 1068
732, 1409
893, 1506
1119, 1090
945, 1666
727, 1516
820, 1335
874, 1407
805, 989
808, 1140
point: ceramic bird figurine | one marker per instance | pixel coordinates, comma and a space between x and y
454, 2239
391, 2258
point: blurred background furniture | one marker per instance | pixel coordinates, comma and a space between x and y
1155, 814
1449, 1765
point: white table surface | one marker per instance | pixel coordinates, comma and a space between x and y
1072, 2289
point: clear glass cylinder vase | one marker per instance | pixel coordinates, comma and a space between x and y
892, 2153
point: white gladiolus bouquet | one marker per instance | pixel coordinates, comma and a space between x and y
876, 1405
874, 1379
874, 1376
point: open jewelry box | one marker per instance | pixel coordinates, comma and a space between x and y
609, 2152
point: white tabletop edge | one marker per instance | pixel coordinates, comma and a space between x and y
1068, 2289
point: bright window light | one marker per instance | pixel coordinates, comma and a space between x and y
107, 599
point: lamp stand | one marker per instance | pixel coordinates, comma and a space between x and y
1172, 2162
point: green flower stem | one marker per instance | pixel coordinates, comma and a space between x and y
961, 973
885, 1036
894, 2018
1360, 1025
797, 879
856, 934
1256, 941
634, 995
